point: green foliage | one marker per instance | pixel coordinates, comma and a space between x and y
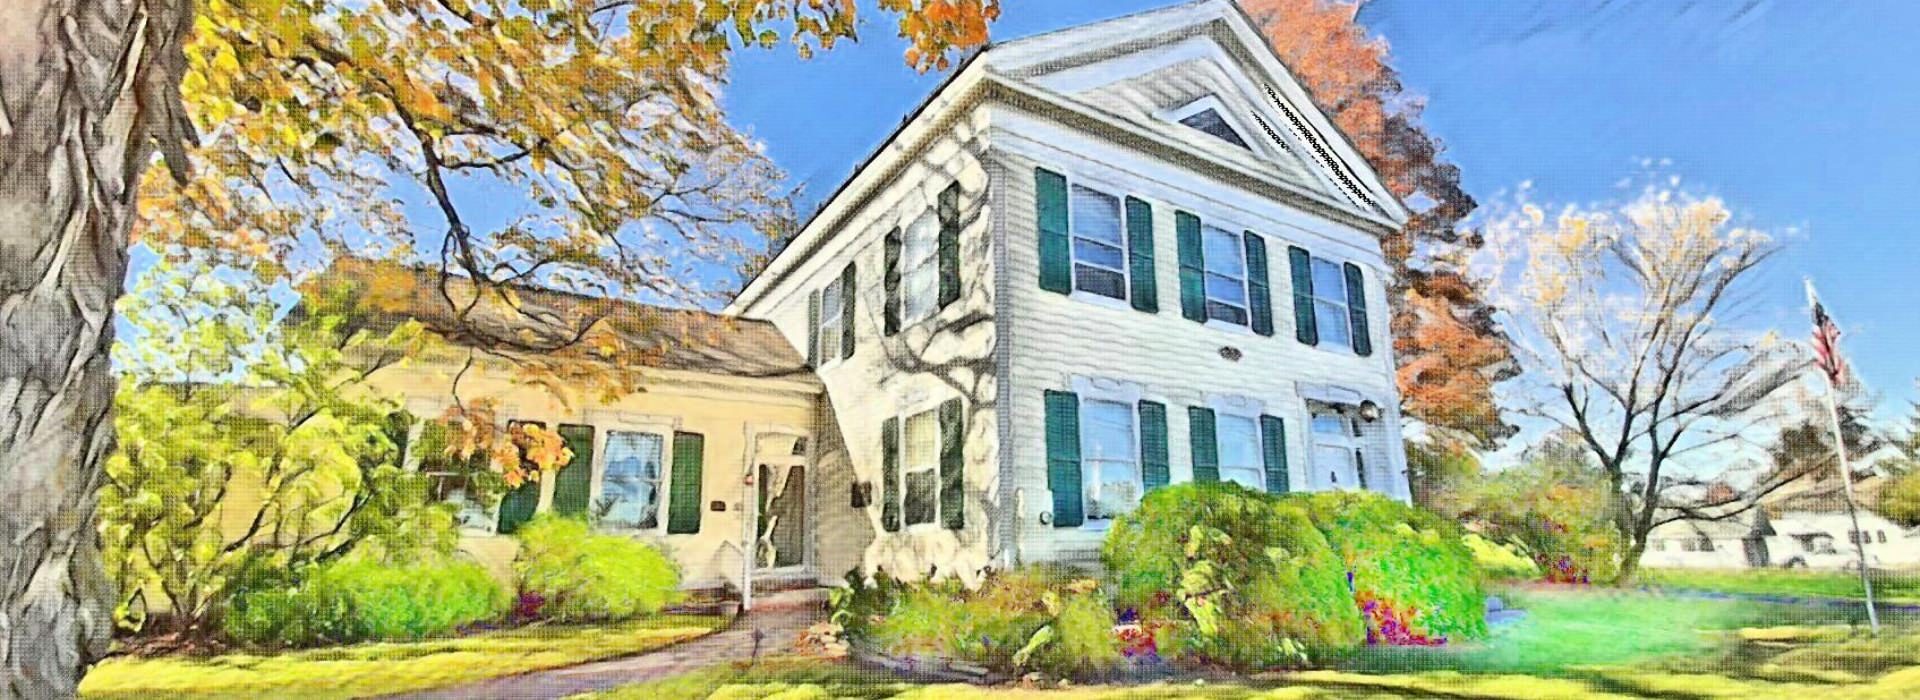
1033, 619
1556, 506
364, 599
249, 443
1227, 575
1500, 561
1404, 559
1437, 473
582, 575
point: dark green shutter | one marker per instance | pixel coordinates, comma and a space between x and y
1206, 448
1193, 271
891, 280
1145, 292
949, 211
1056, 245
1257, 295
573, 486
520, 504
1154, 472
1304, 328
683, 508
1357, 308
1063, 458
847, 293
1273, 450
890, 475
813, 329
953, 469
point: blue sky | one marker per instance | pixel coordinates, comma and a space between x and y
1801, 115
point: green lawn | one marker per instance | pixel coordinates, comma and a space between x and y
363, 669
1572, 644
1891, 587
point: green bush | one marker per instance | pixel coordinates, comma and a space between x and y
1500, 561
578, 575
1033, 619
1222, 574
1412, 575
363, 599
1557, 506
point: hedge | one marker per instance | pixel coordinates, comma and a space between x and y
1411, 573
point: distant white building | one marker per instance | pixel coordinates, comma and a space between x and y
1791, 539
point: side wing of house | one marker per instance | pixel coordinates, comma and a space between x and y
1196, 285
890, 290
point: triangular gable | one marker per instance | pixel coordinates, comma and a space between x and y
1146, 67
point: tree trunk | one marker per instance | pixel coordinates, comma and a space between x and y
87, 89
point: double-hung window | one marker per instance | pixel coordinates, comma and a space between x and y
1336, 452
1330, 312
920, 468
631, 481
919, 268
831, 325
1240, 458
1099, 243
1225, 257
1109, 459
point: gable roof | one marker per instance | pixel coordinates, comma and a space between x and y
657, 337
1354, 192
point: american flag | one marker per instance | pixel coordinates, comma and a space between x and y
1826, 341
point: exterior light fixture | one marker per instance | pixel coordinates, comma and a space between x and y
1369, 411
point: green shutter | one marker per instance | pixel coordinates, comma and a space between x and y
1145, 292
1063, 458
891, 280
949, 258
1357, 308
1273, 450
890, 475
1206, 448
953, 469
573, 486
683, 508
813, 329
847, 293
1154, 472
1257, 295
1193, 271
1304, 328
520, 504
1056, 251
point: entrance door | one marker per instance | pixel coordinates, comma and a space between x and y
780, 480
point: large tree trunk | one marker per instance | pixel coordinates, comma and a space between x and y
87, 88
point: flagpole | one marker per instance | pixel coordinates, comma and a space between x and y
1859, 536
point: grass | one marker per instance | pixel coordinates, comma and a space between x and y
1890, 587
364, 669
1574, 643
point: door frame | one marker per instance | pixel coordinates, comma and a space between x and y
750, 505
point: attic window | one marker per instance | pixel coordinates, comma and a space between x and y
1209, 121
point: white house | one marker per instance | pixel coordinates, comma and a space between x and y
1093, 262
1791, 539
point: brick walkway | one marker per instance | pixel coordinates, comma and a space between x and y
778, 626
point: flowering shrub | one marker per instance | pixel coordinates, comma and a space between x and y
1412, 577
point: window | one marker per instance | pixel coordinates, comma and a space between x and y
1706, 544
919, 268
1881, 535
1336, 451
463, 484
1330, 313
1209, 121
1099, 243
1109, 459
1240, 459
1225, 258
1659, 545
630, 483
831, 310
1690, 545
920, 470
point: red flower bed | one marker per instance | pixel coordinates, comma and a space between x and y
1392, 624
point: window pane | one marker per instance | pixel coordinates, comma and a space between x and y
919, 268
630, 488
1328, 281
830, 301
1329, 424
1228, 289
1106, 430
1214, 125
1239, 441
1112, 489
1333, 467
922, 487
923, 441
1223, 253
1226, 312
1096, 215
918, 290
1334, 324
1250, 478
1105, 283
1098, 253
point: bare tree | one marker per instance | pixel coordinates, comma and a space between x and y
1626, 322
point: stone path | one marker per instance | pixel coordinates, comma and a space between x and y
777, 626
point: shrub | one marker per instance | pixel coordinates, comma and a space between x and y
1556, 506
1032, 619
1500, 561
580, 575
363, 599
1221, 574
1412, 576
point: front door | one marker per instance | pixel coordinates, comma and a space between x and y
780, 480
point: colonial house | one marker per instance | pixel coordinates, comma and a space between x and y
1092, 263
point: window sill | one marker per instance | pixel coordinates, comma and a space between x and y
1235, 328
1100, 300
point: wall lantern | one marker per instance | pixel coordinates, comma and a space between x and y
1369, 411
